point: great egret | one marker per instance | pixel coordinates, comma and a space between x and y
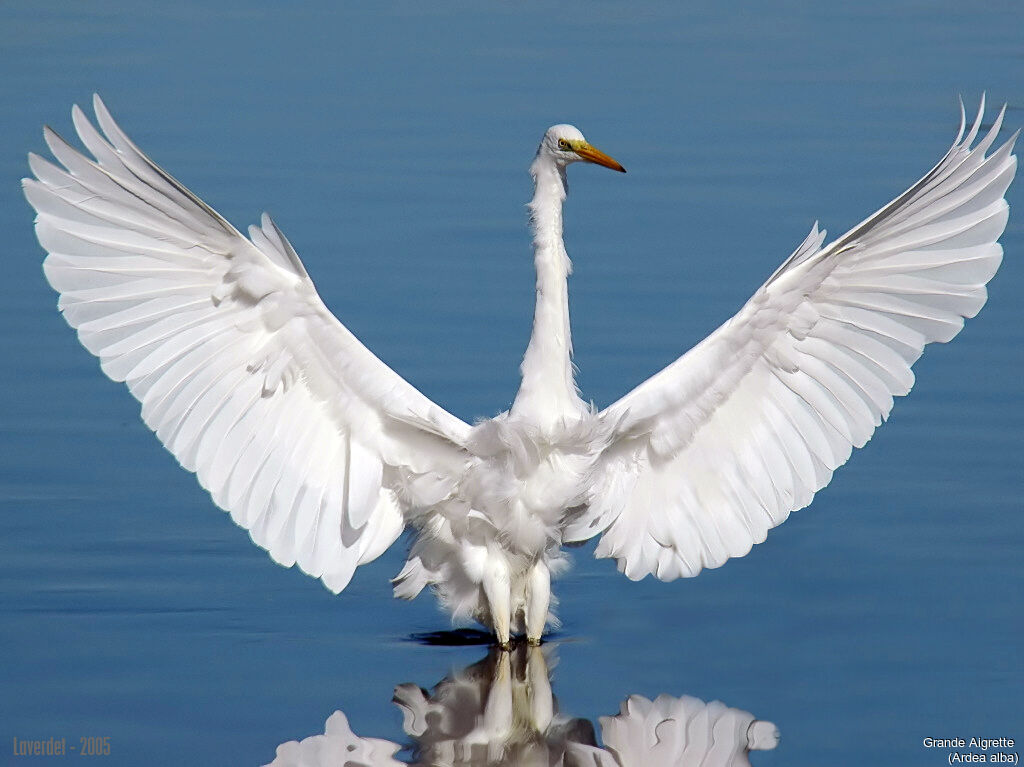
325, 454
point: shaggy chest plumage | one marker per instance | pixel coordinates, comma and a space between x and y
526, 480
503, 528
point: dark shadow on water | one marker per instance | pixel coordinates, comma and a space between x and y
466, 638
453, 638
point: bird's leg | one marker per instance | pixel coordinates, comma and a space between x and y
538, 596
497, 583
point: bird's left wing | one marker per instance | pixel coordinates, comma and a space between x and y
310, 441
709, 454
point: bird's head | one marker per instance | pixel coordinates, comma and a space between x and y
564, 144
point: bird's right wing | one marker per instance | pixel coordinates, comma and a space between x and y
310, 441
720, 446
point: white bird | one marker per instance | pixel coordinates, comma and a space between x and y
325, 454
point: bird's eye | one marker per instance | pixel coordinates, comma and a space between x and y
563, 144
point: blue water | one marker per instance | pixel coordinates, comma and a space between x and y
391, 144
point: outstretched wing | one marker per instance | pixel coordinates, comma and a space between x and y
310, 442
725, 442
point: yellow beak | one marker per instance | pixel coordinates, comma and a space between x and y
595, 155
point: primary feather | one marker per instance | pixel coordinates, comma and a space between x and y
325, 454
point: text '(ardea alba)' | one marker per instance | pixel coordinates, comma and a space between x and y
325, 454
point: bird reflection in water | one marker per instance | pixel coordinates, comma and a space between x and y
501, 711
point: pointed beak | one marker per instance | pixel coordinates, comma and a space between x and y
595, 155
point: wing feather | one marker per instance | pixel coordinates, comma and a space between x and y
286, 418
720, 446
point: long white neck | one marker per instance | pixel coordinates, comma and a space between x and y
547, 394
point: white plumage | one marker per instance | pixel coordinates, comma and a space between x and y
325, 454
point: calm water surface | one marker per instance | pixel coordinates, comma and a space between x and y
391, 144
